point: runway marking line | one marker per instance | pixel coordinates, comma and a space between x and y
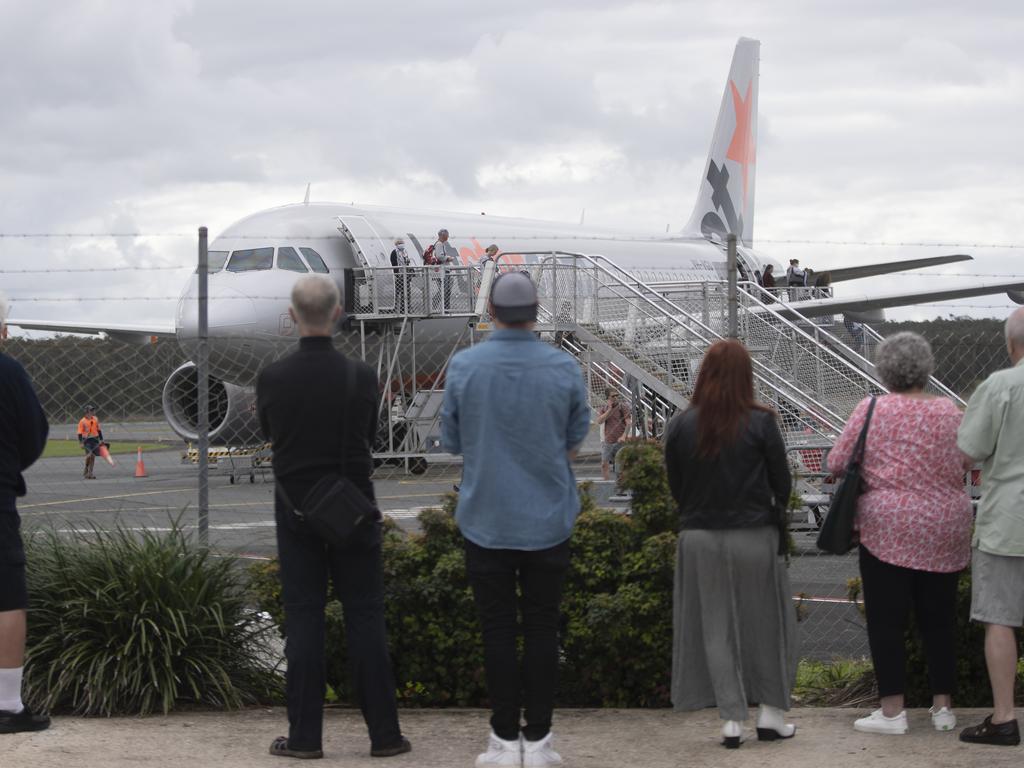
102, 498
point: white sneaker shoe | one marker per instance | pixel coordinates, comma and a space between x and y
876, 722
943, 719
540, 753
772, 725
500, 753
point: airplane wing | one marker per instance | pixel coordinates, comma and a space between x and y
866, 303
871, 270
121, 331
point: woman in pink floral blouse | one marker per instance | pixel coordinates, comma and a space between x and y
914, 519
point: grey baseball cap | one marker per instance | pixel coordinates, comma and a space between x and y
514, 298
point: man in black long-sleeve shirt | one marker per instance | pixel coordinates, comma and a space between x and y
22, 442
317, 427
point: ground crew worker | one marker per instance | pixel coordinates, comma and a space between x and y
90, 437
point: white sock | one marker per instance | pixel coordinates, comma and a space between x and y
10, 690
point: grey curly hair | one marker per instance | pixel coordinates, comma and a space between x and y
904, 361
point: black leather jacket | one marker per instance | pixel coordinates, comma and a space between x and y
746, 485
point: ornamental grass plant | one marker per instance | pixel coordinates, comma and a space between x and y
127, 622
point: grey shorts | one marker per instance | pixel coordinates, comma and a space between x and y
608, 451
997, 589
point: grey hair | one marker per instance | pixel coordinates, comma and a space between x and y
314, 298
3, 310
1015, 328
904, 361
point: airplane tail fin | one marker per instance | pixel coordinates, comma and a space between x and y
725, 202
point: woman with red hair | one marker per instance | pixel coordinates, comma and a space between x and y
733, 617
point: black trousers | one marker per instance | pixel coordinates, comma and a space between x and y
357, 574
494, 575
889, 593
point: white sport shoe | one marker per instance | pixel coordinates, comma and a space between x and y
943, 719
876, 722
500, 753
540, 753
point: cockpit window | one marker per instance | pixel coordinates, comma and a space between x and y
288, 259
251, 259
215, 261
315, 262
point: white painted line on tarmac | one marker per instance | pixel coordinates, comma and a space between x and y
102, 498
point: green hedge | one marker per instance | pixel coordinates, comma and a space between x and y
617, 610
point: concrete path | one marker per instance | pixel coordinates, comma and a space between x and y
452, 738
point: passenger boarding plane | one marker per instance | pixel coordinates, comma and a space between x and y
254, 263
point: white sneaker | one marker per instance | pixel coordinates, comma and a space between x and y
500, 753
876, 722
943, 720
540, 753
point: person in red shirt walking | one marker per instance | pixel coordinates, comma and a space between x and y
617, 419
90, 437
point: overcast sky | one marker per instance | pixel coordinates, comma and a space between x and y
880, 121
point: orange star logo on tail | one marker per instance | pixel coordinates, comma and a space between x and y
742, 148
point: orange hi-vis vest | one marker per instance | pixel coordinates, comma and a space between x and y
89, 427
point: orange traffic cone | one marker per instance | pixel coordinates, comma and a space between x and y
106, 454
140, 468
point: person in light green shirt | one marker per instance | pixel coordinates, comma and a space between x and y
992, 432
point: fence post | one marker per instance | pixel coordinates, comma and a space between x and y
733, 298
203, 377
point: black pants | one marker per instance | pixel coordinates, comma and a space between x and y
540, 575
358, 580
889, 593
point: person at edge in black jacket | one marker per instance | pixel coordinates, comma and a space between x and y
25, 430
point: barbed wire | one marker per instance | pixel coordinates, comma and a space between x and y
654, 238
76, 270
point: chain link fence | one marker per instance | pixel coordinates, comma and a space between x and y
407, 326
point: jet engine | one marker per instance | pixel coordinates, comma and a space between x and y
1017, 297
232, 409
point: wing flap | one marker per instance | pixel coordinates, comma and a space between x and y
886, 268
864, 303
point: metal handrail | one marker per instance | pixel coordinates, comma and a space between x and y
768, 377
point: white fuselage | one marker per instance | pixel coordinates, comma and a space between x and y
249, 299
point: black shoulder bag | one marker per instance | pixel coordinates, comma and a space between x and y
836, 534
335, 509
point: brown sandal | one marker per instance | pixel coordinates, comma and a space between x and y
279, 748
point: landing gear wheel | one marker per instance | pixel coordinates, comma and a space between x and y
418, 465
252, 477
231, 479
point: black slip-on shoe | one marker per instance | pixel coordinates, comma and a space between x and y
280, 748
20, 722
1002, 734
398, 749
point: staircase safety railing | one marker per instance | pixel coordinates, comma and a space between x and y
665, 339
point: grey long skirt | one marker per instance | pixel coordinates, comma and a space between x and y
734, 639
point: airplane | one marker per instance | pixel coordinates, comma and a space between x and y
254, 263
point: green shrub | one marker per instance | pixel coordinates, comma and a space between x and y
132, 624
643, 473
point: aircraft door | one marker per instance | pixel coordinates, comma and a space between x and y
375, 287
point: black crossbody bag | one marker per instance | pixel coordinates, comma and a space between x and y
335, 509
836, 534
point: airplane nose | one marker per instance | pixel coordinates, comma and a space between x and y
229, 311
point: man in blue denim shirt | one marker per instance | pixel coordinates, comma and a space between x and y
516, 408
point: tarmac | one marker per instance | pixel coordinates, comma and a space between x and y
606, 738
